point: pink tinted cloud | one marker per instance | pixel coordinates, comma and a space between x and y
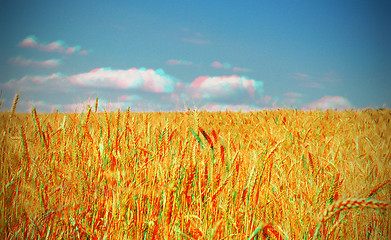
44, 79
74, 49
50, 63
330, 102
128, 98
225, 65
52, 47
149, 80
30, 41
199, 81
267, 99
82, 106
33, 63
179, 62
217, 64
157, 81
239, 69
194, 37
293, 94
306, 80
36, 104
300, 76
55, 81
214, 107
291, 98
56, 46
224, 86
26, 106
312, 84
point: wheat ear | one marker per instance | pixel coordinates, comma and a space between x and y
96, 105
16, 98
265, 231
347, 204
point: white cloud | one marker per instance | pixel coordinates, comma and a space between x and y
207, 87
102, 105
214, 107
56, 46
128, 98
33, 63
179, 62
300, 76
239, 69
330, 102
141, 89
196, 41
217, 64
149, 80
311, 84
38, 83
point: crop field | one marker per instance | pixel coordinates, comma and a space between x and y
275, 174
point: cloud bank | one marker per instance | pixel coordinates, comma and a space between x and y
144, 89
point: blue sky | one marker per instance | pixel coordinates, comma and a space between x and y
213, 55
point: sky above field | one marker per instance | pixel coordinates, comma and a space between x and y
212, 55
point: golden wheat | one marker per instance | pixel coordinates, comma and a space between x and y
195, 175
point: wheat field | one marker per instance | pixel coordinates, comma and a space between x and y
276, 174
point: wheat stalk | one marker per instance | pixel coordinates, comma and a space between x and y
170, 203
189, 182
40, 132
378, 188
26, 155
175, 198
